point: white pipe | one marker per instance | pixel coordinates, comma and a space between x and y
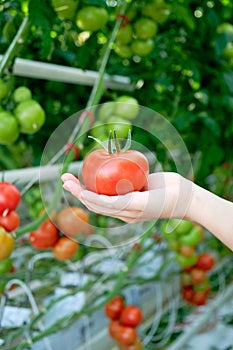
50, 71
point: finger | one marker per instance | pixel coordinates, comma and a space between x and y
67, 176
74, 187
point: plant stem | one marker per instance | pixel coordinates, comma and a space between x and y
16, 43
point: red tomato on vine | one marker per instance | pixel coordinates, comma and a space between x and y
131, 316
10, 221
114, 308
9, 197
45, 237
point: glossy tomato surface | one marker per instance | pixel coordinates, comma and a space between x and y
115, 174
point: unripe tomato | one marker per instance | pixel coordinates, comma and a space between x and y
124, 35
106, 110
197, 275
5, 265
22, 93
30, 116
4, 89
65, 248
186, 261
10, 221
145, 28
186, 250
92, 18
120, 125
123, 51
65, 9
127, 107
131, 316
9, 129
114, 308
73, 220
9, 197
99, 130
142, 47
45, 237
185, 279
192, 238
6, 244
158, 10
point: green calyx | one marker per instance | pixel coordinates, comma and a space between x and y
113, 144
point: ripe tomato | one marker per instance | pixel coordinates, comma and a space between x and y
114, 174
187, 293
30, 116
197, 275
65, 248
122, 334
10, 221
22, 93
186, 250
45, 237
137, 345
92, 18
73, 220
205, 261
114, 307
9, 130
200, 297
6, 244
9, 197
145, 28
131, 316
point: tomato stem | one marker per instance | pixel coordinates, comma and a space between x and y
117, 144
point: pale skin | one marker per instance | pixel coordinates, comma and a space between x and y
168, 195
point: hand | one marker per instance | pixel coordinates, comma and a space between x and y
167, 195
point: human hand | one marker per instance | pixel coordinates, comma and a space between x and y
167, 195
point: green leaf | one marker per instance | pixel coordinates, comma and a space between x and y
210, 123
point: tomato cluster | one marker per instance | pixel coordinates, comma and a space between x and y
9, 219
58, 233
183, 237
123, 322
135, 37
19, 113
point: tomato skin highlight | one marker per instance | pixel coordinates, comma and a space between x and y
115, 174
114, 307
131, 316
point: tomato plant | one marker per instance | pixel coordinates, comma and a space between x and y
73, 220
45, 237
6, 244
9, 197
65, 248
116, 173
92, 18
114, 307
9, 130
205, 261
10, 221
30, 116
131, 316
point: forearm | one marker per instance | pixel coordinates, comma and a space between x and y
213, 213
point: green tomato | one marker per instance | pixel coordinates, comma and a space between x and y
142, 47
5, 265
167, 230
186, 261
99, 131
106, 110
192, 238
120, 125
127, 107
92, 18
182, 227
9, 129
22, 93
145, 28
225, 27
202, 286
157, 10
123, 51
124, 35
30, 116
173, 244
4, 89
65, 9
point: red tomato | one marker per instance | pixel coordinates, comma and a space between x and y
205, 261
10, 221
187, 294
114, 307
115, 174
122, 334
137, 345
131, 316
65, 248
200, 297
73, 220
197, 275
9, 197
45, 236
